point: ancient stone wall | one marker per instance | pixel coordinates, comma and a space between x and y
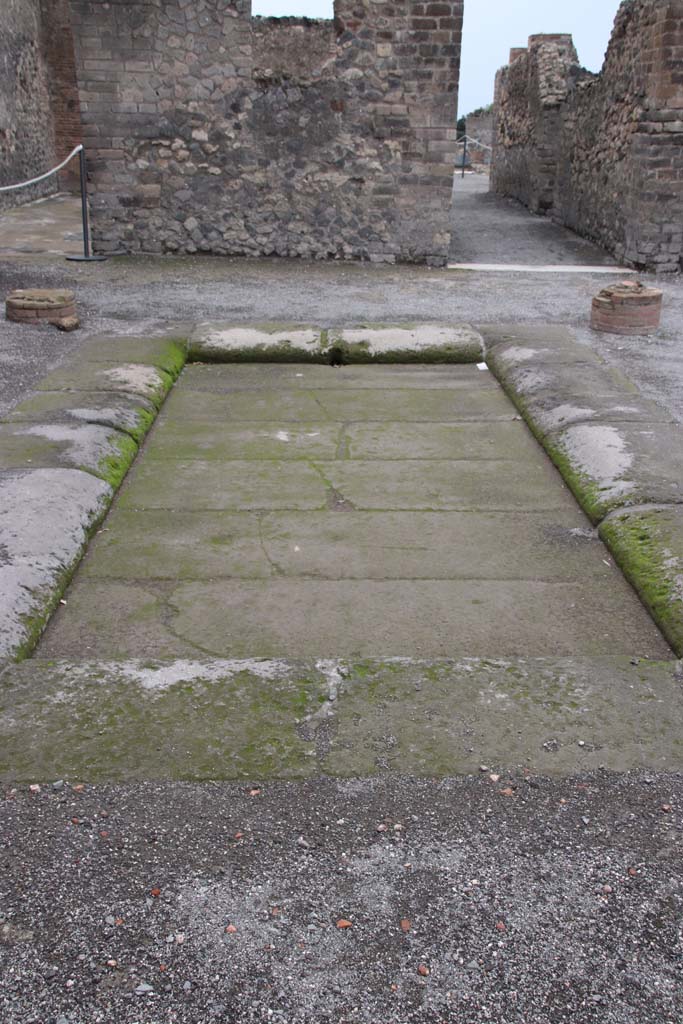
211, 131
26, 133
602, 154
528, 98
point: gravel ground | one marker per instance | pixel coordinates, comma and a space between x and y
518, 900
131, 296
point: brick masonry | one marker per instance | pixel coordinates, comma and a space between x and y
214, 132
58, 51
602, 154
627, 308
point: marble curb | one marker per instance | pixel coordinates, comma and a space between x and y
620, 454
255, 719
371, 343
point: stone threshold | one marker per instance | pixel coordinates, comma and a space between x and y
199, 720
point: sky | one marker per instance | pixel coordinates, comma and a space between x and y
491, 28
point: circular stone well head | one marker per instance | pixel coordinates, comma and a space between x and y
43, 305
629, 307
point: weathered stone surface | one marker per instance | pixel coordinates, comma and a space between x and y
262, 342
66, 323
405, 377
373, 343
45, 519
132, 414
613, 447
100, 450
364, 545
137, 379
412, 343
648, 545
611, 465
299, 561
351, 618
258, 719
167, 353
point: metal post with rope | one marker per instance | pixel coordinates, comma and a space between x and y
87, 254
469, 142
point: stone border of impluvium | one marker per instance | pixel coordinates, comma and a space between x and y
64, 452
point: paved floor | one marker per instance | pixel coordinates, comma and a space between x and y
48, 225
482, 220
306, 511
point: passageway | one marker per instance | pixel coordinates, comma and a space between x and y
488, 228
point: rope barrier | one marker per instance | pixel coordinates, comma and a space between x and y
85, 215
474, 142
42, 177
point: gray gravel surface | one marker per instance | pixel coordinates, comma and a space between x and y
131, 296
518, 900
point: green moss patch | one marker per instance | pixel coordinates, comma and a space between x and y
648, 547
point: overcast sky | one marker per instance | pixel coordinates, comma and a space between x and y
491, 28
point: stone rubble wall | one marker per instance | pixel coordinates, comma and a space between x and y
601, 154
210, 131
26, 132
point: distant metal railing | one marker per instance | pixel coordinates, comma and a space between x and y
87, 255
473, 143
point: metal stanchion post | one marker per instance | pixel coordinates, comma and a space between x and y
87, 255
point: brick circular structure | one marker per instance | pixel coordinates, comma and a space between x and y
42, 305
627, 308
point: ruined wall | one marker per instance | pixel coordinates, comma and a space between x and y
480, 127
209, 131
527, 117
26, 132
621, 148
604, 155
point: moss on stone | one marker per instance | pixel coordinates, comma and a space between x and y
638, 541
582, 486
114, 467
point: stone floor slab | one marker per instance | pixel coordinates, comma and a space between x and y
350, 618
216, 439
218, 377
166, 545
273, 406
441, 485
340, 556
204, 484
441, 405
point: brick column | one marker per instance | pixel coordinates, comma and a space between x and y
58, 53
